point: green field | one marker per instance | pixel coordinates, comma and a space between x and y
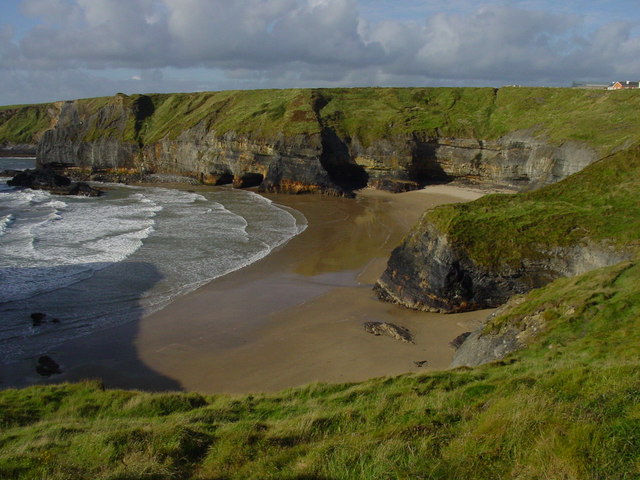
565, 407
600, 204
606, 120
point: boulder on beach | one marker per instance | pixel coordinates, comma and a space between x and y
47, 366
389, 330
47, 179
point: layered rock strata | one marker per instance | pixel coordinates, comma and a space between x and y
430, 272
112, 140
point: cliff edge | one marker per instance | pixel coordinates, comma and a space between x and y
478, 255
332, 140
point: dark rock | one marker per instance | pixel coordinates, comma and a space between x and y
84, 189
248, 180
47, 366
431, 272
459, 340
394, 185
389, 330
38, 318
47, 178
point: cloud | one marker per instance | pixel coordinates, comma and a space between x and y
287, 43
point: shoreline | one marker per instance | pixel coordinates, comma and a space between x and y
292, 318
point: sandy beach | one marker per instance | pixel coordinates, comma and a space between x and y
292, 318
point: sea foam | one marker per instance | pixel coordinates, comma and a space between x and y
98, 262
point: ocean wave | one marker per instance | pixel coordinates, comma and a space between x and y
5, 223
89, 267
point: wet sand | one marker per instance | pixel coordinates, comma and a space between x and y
292, 318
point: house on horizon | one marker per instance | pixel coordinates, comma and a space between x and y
623, 85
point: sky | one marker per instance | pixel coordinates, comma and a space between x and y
65, 49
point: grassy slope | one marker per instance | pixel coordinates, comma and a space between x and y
22, 123
567, 407
606, 120
600, 203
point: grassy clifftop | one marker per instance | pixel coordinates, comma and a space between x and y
605, 120
567, 407
599, 204
23, 124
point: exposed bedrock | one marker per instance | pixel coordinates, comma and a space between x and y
429, 272
278, 164
92, 142
111, 140
518, 159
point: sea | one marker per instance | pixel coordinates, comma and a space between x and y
92, 263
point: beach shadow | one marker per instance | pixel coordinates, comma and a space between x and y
88, 328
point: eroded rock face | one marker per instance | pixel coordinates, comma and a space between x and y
482, 346
389, 330
518, 159
429, 272
104, 145
48, 179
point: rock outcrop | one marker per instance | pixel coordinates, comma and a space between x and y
47, 179
430, 272
518, 159
389, 330
297, 147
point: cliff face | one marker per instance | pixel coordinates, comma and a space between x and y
277, 164
322, 140
71, 141
431, 272
477, 255
517, 159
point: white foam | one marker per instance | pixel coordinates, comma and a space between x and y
5, 223
183, 239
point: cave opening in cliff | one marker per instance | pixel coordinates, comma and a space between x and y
336, 160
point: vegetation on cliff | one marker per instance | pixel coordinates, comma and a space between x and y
606, 120
23, 124
566, 407
599, 205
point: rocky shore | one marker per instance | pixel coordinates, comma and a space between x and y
303, 146
336, 142
46, 178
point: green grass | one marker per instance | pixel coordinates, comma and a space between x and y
605, 120
566, 407
601, 118
600, 204
261, 113
23, 124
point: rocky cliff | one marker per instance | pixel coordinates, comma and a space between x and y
336, 140
477, 255
22, 127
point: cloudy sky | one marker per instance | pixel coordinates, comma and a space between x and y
63, 49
